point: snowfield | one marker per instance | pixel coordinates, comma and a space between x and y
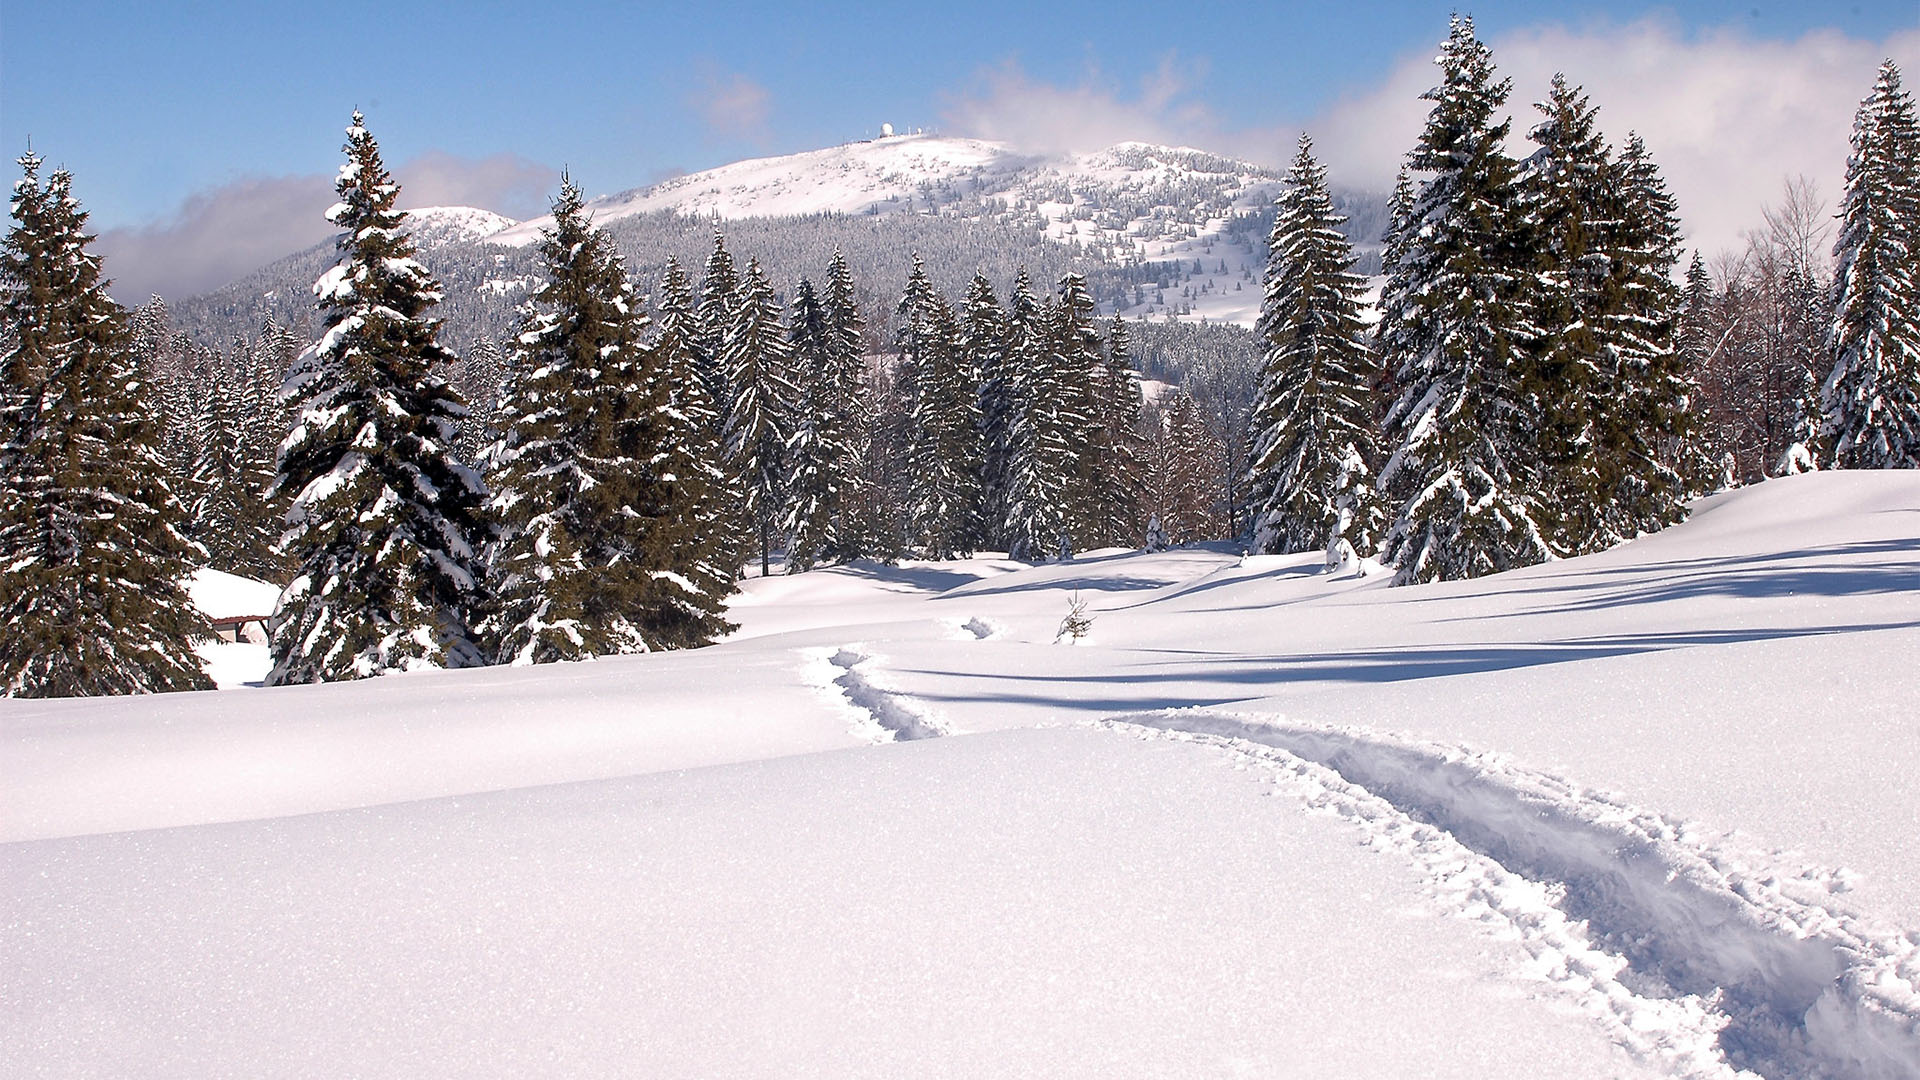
1648, 813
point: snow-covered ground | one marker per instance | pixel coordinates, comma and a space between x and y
1649, 813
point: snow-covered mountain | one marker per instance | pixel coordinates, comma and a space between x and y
1128, 205
434, 227
1171, 234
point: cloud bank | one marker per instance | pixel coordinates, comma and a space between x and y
1729, 118
223, 233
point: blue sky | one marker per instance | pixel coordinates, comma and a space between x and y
155, 106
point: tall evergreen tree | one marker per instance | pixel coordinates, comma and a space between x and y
568, 476
1460, 474
1117, 520
858, 527
1311, 479
92, 560
688, 608
816, 451
385, 526
719, 308
983, 341
1872, 398
1077, 361
1646, 426
1041, 457
756, 359
943, 447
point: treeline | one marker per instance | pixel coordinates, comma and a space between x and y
1537, 385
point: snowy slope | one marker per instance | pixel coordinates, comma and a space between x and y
437, 226
1645, 813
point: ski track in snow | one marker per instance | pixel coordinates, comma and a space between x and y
889, 716
1696, 957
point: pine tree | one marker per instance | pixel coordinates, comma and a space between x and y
1460, 474
1121, 469
816, 450
92, 559
1872, 398
689, 605
1311, 479
571, 472
983, 342
1076, 356
1040, 456
719, 307
756, 357
1188, 478
857, 527
1647, 423
943, 447
385, 527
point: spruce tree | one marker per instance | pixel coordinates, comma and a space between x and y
719, 307
983, 342
688, 606
386, 527
1117, 520
570, 473
1646, 426
1311, 480
755, 358
1076, 355
816, 450
1461, 476
1041, 457
943, 448
858, 531
93, 562
1872, 397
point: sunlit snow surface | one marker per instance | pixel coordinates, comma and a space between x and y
1647, 813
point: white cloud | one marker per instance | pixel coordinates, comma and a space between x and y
220, 234
733, 106
1007, 105
1729, 118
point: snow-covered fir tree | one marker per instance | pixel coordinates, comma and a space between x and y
755, 357
1872, 397
1077, 359
1041, 458
943, 447
983, 342
571, 566
719, 307
93, 563
1461, 477
1120, 473
857, 523
386, 526
1646, 427
1312, 481
817, 451
701, 571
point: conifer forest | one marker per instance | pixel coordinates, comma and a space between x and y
1515, 360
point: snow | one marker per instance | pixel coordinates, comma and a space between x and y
1645, 813
220, 595
437, 226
